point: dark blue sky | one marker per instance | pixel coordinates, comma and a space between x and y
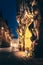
9, 12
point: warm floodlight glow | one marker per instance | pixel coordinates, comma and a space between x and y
28, 28
2, 28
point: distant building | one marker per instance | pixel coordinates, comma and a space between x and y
4, 32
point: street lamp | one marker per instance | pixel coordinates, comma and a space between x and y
2, 28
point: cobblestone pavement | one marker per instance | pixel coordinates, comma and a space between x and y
9, 58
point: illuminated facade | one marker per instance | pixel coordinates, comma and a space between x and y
5, 36
28, 31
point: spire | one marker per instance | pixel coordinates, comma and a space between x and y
23, 5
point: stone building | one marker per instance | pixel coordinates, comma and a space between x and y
4, 32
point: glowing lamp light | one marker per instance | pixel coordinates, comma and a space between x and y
15, 45
11, 44
2, 28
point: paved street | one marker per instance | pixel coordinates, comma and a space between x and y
9, 58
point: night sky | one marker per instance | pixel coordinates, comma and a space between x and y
8, 8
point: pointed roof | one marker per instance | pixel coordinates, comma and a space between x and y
2, 21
